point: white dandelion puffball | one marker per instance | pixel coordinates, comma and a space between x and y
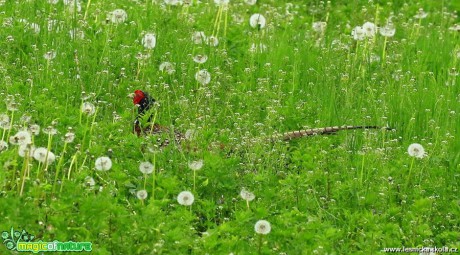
421, 14
34, 129
196, 165
42, 155
198, 37
89, 181
141, 194
117, 16
3, 145
149, 41
72, 5
50, 55
50, 130
257, 20
26, 150
21, 138
358, 33
88, 108
222, 2
4, 121
146, 167
69, 137
203, 77
103, 164
185, 198
370, 29
35, 27
200, 59
262, 227
167, 67
319, 26
213, 41
250, 2
416, 150
388, 30
247, 195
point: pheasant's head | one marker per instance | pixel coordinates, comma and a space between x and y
138, 96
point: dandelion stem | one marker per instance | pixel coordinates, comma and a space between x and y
11, 125
194, 178
384, 50
58, 167
92, 126
410, 171
153, 177
225, 24
260, 244
24, 172
50, 138
74, 158
362, 172
87, 8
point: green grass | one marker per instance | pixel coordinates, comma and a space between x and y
356, 192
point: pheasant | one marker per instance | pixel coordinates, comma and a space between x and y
143, 123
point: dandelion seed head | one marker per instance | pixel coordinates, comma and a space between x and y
73, 5
250, 2
141, 194
167, 67
103, 164
26, 150
185, 198
149, 41
247, 195
416, 150
257, 21
50, 55
69, 137
117, 16
358, 33
146, 167
213, 41
198, 37
319, 26
3, 146
4, 121
88, 108
388, 30
76, 34
50, 130
223, 3
89, 182
421, 14
200, 59
42, 155
203, 77
21, 138
370, 29
262, 227
196, 165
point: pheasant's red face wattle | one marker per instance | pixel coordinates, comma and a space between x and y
138, 96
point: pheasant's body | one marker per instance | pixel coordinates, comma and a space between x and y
143, 124
319, 131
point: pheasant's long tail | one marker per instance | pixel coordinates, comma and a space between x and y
321, 131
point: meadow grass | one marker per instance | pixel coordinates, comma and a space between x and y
70, 66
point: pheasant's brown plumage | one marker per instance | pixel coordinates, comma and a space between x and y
145, 102
321, 131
